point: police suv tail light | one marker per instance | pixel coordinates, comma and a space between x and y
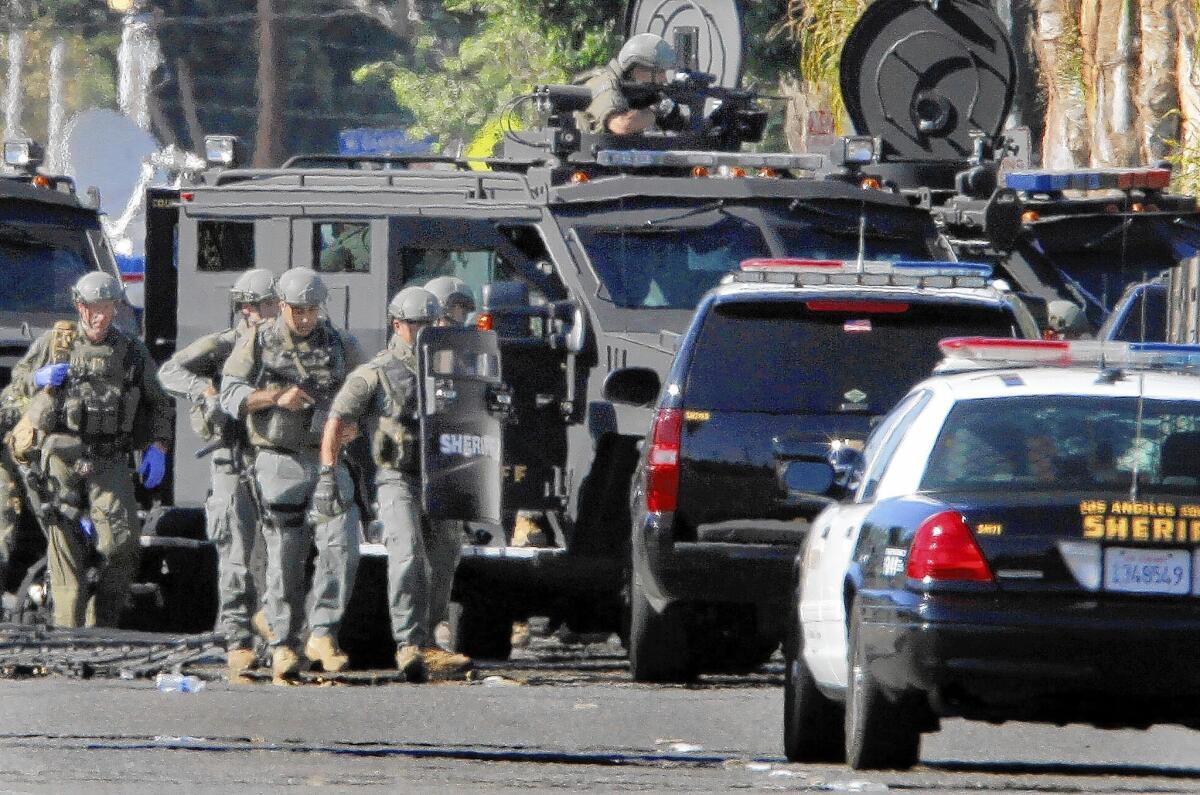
944, 550
662, 462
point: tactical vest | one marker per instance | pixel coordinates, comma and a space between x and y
316, 364
395, 438
99, 399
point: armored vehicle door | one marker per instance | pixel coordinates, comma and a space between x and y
462, 403
162, 271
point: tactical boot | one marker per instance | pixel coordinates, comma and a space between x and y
262, 627
411, 663
240, 661
520, 634
445, 664
323, 649
526, 532
285, 666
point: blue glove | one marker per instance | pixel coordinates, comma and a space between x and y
153, 468
51, 375
89, 529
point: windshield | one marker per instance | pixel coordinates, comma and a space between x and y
1057, 442
649, 254
865, 359
38, 275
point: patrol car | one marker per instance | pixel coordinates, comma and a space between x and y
788, 363
1141, 314
1023, 544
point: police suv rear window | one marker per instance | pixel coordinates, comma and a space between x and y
1077, 443
784, 357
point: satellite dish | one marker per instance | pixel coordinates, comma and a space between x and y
106, 149
923, 79
706, 34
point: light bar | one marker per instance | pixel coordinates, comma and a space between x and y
881, 273
1067, 353
641, 158
1088, 179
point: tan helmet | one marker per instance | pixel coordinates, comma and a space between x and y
646, 49
451, 291
97, 286
415, 305
302, 287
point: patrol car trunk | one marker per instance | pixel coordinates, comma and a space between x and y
1082, 542
768, 372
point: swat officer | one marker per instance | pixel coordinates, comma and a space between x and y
643, 59
92, 396
280, 379
455, 298
384, 393
230, 514
10, 492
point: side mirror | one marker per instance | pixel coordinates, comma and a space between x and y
504, 295
802, 478
637, 386
848, 467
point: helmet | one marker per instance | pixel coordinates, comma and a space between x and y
254, 286
451, 291
416, 305
646, 49
302, 287
97, 286
1065, 315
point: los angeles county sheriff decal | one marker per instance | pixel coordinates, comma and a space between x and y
1154, 522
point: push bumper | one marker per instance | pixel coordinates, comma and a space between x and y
1129, 663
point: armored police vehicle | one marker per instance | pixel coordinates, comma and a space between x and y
933, 83
588, 254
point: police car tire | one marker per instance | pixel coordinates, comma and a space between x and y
813, 725
658, 647
881, 734
479, 629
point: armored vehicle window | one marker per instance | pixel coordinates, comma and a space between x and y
38, 276
823, 361
476, 267
340, 247
669, 267
225, 246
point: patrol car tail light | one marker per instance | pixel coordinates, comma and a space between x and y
944, 549
662, 462
1085, 353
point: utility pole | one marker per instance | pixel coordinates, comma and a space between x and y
268, 143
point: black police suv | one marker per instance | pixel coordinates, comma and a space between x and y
788, 365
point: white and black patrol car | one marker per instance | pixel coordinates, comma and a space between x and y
1023, 543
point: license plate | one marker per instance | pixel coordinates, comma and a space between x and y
1162, 571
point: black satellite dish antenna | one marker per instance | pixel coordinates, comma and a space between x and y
926, 78
706, 34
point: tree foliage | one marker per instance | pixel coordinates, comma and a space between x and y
454, 95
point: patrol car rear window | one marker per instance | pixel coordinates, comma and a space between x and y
781, 357
38, 277
1067, 442
225, 246
340, 247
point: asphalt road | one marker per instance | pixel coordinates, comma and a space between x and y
557, 718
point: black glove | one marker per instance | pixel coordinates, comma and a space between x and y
326, 500
669, 115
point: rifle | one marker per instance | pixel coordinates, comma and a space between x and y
736, 118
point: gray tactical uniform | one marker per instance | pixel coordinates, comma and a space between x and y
230, 514
383, 393
11, 495
286, 462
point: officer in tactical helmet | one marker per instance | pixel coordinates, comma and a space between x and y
645, 58
455, 298
11, 499
193, 374
280, 379
383, 394
92, 398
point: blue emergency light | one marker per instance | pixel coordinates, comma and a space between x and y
1088, 179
